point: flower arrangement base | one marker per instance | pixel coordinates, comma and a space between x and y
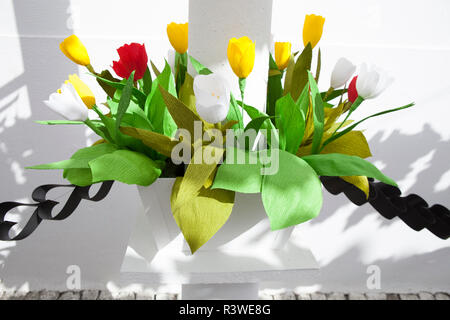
243, 254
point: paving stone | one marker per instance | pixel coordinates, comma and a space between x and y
289, 295
442, 296
124, 295
375, 296
318, 296
105, 295
336, 296
70, 295
357, 296
392, 296
166, 296
48, 295
408, 296
303, 296
32, 295
426, 296
89, 294
145, 295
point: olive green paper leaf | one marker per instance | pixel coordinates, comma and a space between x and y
158, 142
293, 195
181, 114
318, 113
300, 73
274, 87
337, 165
109, 90
203, 215
198, 171
201, 69
288, 76
186, 94
291, 123
139, 95
147, 82
125, 166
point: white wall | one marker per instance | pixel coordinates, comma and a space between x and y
407, 38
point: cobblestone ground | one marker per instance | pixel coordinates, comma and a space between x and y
106, 295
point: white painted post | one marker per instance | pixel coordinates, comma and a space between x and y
213, 23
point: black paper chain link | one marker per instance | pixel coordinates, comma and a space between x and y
387, 200
44, 208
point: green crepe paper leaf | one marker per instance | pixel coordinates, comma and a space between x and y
201, 69
200, 218
293, 195
235, 114
155, 107
274, 87
147, 82
300, 73
267, 125
181, 114
124, 100
125, 166
79, 177
197, 173
109, 89
337, 165
333, 95
240, 177
181, 69
155, 69
139, 95
303, 101
159, 142
350, 128
288, 76
186, 94
58, 122
318, 114
65, 164
319, 65
291, 123
256, 123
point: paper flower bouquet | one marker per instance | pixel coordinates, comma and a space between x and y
170, 123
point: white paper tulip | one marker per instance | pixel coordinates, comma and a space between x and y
212, 97
342, 72
371, 82
68, 103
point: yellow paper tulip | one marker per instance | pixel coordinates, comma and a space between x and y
312, 29
83, 90
74, 49
178, 36
241, 56
282, 54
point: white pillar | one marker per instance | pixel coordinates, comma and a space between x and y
213, 23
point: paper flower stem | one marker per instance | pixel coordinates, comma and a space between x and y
242, 84
91, 69
91, 125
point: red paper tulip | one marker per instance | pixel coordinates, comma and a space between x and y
352, 92
133, 57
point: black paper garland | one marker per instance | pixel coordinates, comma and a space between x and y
387, 200
44, 208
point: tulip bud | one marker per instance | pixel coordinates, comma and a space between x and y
133, 57
371, 82
83, 90
178, 36
68, 103
312, 29
282, 54
212, 97
241, 56
352, 92
74, 49
342, 72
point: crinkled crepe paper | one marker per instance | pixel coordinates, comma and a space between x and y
318, 113
235, 114
203, 215
338, 165
274, 86
297, 79
360, 182
293, 195
290, 122
155, 105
